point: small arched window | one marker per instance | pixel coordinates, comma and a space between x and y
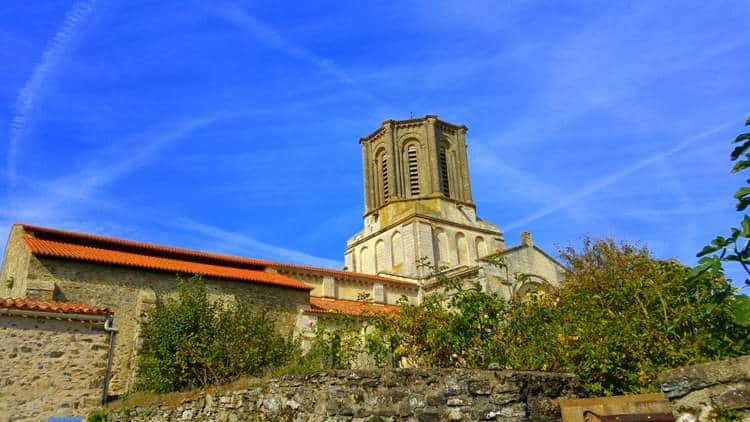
481, 247
380, 258
397, 251
365, 260
462, 249
443, 161
413, 167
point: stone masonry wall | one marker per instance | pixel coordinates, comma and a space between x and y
699, 392
130, 292
372, 395
15, 266
50, 367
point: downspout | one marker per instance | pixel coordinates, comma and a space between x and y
112, 331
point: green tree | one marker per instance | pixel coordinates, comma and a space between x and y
453, 327
621, 317
191, 341
736, 246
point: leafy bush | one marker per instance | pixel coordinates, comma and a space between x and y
454, 327
620, 318
191, 341
97, 415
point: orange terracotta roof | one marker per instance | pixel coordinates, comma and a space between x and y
130, 245
191, 255
106, 256
348, 307
51, 306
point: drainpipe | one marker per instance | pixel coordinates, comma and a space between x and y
112, 331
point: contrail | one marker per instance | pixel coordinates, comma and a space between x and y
271, 37
608, 180
34, 86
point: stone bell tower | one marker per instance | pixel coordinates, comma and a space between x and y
418, 201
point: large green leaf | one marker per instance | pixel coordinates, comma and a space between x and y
741, 165
741, 137
741, 310
741, 148
708, 249
746, 226
741, 192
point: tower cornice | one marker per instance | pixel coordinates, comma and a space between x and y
399, 124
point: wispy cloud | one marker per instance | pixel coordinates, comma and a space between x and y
127, 156
64, 201
67, 198
598, 69
240, 243
610, 179
269, 36
34, 87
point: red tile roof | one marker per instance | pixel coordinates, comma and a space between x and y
54, 307
191, 255
348, 307
107, 256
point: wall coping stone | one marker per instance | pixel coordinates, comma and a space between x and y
678, 382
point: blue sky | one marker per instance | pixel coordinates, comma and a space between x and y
233, 126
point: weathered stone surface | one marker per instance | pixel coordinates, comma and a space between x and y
697, 392
678, 382
47, 367
364, 395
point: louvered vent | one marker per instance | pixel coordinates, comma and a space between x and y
413, 170
384, 173
444, 185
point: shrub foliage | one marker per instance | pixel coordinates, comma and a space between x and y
620, 318
191, 341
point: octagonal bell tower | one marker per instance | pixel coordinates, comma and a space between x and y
418, 201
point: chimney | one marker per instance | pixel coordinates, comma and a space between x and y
526, 239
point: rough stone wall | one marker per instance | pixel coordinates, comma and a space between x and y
699, 392
419, 221
374, 395
50, 367
15, 265
127, 292
350, 289
524, 259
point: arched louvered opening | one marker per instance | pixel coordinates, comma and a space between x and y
443, 164
413, 169
384, 177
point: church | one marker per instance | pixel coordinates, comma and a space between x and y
419, 218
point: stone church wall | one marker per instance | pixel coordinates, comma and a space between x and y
131, 294
15, 265
346, 288
50, 367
